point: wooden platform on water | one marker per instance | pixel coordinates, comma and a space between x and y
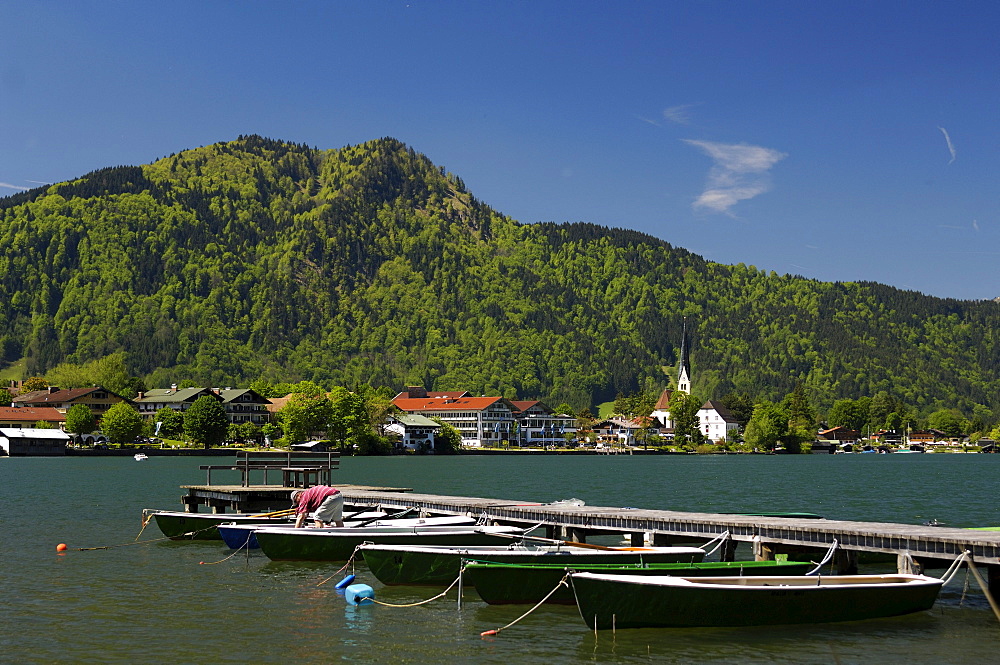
914, 546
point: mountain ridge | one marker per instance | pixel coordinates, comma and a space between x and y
261, 258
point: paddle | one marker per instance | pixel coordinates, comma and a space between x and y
276, 513
388, 517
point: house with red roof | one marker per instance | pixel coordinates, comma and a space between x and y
97, 398
28, 416
481, 421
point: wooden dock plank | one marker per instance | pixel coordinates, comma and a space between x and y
919, 541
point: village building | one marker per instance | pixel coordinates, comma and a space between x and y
414, 432
243, 405
480, 421
178, 399
27, 416
540, 426
96, 398
717, 422
19, 442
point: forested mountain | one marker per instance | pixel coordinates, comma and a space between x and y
369, 264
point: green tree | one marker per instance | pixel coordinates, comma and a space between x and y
687, 426
171, 423
949, 421
848, 413
741, 405
34, 383
121, 423
767, 426
447, 441
303, 415
205, 422
80, 419
800, 411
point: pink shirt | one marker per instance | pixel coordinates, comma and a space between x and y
312, 498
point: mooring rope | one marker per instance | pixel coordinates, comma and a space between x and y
350, 561
952, 569
826, 558
422, 602
496, 631
245, 545
722, 537
140, 542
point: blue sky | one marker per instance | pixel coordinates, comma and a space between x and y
833, 140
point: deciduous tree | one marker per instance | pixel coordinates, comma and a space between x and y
206, 422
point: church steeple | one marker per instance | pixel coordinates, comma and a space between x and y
683, 374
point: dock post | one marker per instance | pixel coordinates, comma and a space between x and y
637, 539
993, 579
728, 550
846, 561
576, 535
762, 552
907, 565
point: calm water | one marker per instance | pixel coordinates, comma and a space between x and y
155, 603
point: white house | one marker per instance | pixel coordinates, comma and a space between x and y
716, 421
415, 431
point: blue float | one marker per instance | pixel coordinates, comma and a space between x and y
344, 582
357, 594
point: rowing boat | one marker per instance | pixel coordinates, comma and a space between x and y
237, 536
289, 544
507, 583
203, 526
420, 564
629, 601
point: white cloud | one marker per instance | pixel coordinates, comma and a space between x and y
740, 172
951, 146
680, 114
10, 186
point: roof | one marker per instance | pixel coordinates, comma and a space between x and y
447, 404
60, 396
663, 403
415, 420
721, 409
416, 392
230, 394
33, 433
31, 413
172, 395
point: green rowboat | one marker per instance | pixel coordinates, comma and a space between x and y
439, 566
502, 583
289, 544
630, 601
202, 526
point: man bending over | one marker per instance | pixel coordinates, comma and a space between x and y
327, 501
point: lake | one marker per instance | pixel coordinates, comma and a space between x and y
156, 601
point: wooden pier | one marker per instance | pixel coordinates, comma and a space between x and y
915, 546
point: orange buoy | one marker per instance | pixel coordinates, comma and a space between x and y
488, 632
61, 547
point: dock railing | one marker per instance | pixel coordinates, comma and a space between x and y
297, 469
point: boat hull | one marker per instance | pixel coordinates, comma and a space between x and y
503, 584
238, 536
440, 566
339, 544
202, 526
619, 601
